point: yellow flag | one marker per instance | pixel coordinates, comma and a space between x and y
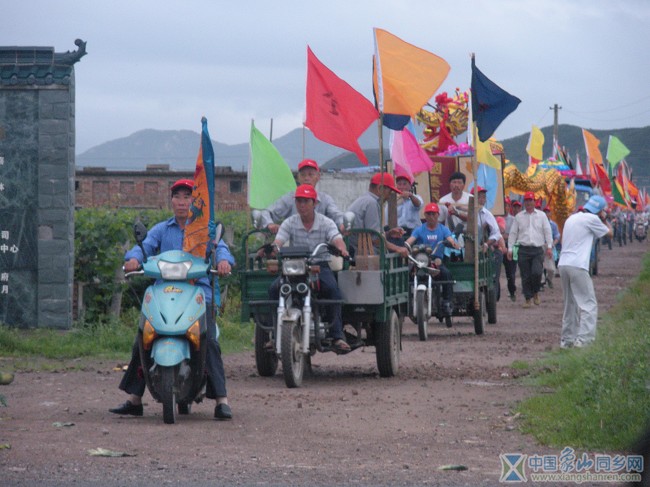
484, 155
535, 143
406, 77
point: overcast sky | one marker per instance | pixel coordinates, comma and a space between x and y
164, 64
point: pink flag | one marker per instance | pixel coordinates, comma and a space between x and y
407, 153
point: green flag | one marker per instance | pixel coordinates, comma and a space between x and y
616, 151
616, 193
269, 176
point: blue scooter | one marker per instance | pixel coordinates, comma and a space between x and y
172, 333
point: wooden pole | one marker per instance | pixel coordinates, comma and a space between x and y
474, 208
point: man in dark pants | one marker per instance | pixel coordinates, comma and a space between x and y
531, 231
164, 236
307, 228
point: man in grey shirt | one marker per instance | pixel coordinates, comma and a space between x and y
367, 212
308, 173
309, 229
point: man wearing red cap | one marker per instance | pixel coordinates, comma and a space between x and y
307, 228
308, 173
431, 233
408, 205
164, 236
367, 210
510, 266
531, 232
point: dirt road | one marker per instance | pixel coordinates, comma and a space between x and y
450, 404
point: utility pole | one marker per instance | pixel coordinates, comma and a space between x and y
555, 109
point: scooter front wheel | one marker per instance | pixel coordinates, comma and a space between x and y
168, 395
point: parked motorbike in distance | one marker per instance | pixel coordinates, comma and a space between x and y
172, 332
426, 294
640, 230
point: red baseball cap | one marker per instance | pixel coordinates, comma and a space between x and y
529, 195
432, 208
516, 203
547, 208
308, 163
404, 176
385, 179
478, 189
183, 183
507, 200
306, 191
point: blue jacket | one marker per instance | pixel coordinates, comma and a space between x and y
168, 235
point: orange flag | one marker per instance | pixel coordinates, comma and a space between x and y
406, 77
591, 146
197, 229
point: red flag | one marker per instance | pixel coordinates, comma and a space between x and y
336, 112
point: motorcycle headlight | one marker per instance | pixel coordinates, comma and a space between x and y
422, 258
294, 267
176, 271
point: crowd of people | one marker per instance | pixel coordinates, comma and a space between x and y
525, 238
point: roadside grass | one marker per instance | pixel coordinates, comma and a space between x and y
47, 349
597, 397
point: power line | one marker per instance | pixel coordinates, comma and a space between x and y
577, 114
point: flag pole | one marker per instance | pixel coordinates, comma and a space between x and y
475, 206
382, 168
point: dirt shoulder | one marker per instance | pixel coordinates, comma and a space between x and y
450, 404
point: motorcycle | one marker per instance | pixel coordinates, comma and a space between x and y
640, 230
426, 294
172, 332
299, 328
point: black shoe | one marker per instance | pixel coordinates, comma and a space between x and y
222, 412
128, 409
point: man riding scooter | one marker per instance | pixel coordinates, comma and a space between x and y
431, 233
164, 236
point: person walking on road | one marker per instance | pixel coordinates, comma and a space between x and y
531, 231
580, 305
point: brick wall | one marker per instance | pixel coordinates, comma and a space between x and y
150, 189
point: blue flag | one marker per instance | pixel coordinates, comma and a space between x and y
490, 104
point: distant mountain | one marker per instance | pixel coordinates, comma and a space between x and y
178, 149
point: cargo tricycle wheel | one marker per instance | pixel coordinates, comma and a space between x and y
266, 360
388, 345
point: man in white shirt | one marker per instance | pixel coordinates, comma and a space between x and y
455, 202
580, 305
531, 231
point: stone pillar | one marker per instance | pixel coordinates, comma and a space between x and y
37, 160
